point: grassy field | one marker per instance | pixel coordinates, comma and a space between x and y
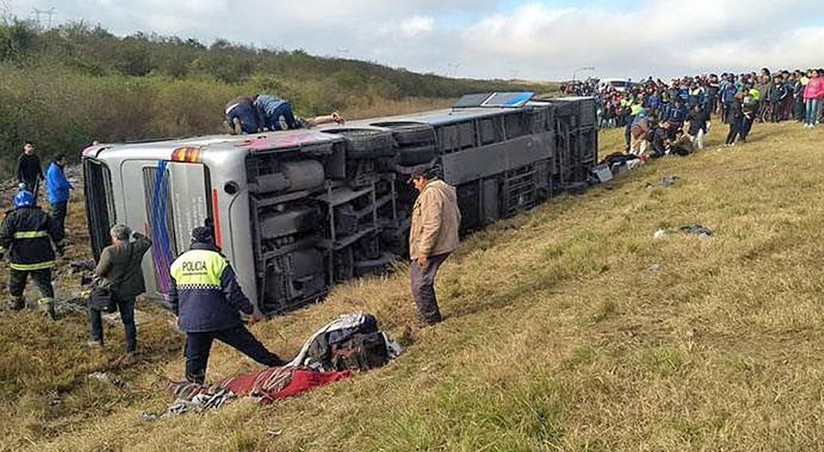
567, 328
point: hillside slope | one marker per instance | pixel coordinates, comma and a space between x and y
567, 328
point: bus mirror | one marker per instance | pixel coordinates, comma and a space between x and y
231, 187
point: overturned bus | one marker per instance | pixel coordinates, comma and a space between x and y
298, 211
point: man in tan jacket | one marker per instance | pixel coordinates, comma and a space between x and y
432, 237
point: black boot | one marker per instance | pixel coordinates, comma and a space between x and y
17, 303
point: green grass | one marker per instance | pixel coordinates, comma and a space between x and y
559, 334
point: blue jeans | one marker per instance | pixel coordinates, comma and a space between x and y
248, 116
746, 126
281, 118
812, 110
126, 308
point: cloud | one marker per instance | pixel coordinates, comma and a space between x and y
537, 39
667, 38
415, 26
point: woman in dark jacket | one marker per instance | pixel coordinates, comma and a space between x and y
735, 117
119, 269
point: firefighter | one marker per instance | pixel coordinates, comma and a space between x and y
27, 234
206, 299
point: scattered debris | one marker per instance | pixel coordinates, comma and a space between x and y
276, 432
109, 379
602, 173
696, 229
148, 417
102, 377
669, 180
665, 181
200, 402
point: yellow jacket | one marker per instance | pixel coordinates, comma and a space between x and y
436, 219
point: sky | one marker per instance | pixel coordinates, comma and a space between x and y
524, 39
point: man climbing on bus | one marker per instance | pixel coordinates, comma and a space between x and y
277, 115
267, 112
206, 299
242, 116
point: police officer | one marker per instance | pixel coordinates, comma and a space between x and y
206, 299
27, 233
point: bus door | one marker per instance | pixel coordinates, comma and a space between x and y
169, 199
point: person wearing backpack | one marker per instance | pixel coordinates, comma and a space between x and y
119, 270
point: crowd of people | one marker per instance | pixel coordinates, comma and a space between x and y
739, 100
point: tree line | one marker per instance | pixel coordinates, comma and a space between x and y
65, 86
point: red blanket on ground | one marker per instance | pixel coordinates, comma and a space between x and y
269, 385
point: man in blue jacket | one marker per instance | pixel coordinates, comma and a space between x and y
206, 299
57, 188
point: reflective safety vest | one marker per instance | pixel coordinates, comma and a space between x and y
205, 295
198, 269
755, 94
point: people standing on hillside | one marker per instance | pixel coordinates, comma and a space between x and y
813, 94
698, 124
712, 95
206, 298
727, 93
27, 234
778, 95
750, 106
119, 270
433, 236
735, 116
29, 170
57, 189
798, 97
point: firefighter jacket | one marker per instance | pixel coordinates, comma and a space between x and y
205, 294
27, 234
